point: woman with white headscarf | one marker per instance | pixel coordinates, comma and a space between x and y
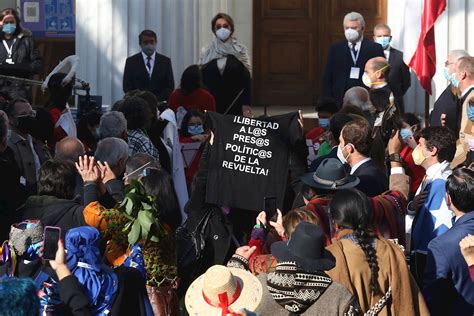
226, 69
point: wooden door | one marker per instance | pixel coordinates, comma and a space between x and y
291, 39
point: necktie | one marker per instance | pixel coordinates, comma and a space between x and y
353, 48
148, 63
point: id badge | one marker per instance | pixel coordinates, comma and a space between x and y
355, 71
9, 61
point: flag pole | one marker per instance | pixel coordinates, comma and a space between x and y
427, 109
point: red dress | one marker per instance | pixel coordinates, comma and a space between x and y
199, 99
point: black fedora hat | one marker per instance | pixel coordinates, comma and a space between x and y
330, 175
305, 247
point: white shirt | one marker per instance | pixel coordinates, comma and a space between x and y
152, 62
360, 163
35, 155
386, 51
357, 44
466, 90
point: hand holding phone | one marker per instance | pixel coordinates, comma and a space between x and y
51, 237
270, 207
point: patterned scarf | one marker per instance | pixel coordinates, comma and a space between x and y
218, 49
294, 289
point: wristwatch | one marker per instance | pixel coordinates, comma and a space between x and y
395, 157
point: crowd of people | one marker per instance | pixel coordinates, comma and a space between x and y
377, 217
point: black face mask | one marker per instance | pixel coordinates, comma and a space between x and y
26, 123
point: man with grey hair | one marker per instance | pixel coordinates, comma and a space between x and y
445, 110
112, 154
113, 124
346, 60
399, 76
463, 80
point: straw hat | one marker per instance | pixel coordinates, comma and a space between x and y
223, 290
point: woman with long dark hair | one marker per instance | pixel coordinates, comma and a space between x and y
159, 184
191, 95
372, 268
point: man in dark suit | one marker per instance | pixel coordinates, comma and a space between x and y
399, 76
148, 70
354, 147
446, 110
346, 60
448, 289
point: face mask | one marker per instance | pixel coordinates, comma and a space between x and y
26, 123
148, 49
405, 133
195, 129
366, 80
351, 35
454, 81
383, 40
324, 123
223, 34
340, 154
446, 74
9, 28
470, 112
418, 155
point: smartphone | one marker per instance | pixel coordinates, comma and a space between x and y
51, 237
270, 207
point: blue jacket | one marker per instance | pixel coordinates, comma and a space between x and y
448, 289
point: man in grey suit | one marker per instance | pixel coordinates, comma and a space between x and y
399, 76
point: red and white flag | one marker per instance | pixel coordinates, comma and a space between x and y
423, 61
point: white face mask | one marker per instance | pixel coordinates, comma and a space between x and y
351, 35
340, 154
366, 80
223, 34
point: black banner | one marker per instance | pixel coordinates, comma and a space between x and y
249, 159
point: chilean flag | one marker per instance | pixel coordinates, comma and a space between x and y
423, 61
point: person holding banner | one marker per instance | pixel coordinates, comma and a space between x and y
226, 69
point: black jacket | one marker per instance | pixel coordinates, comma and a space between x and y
135, 76
226, 87
372, 180
336, 79
447, 103
12, 193
52, 211
25, 55
398, 77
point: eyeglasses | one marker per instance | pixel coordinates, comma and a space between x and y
29, 114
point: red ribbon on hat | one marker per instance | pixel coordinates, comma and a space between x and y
224, 301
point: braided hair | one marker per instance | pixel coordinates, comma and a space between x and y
353, 210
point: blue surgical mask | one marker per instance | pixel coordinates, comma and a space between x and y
383, 40
324, 123
195, 129
470, 112
454, 81
9, 28
446, 74
405, 133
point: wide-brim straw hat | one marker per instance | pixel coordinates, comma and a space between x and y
205, 293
